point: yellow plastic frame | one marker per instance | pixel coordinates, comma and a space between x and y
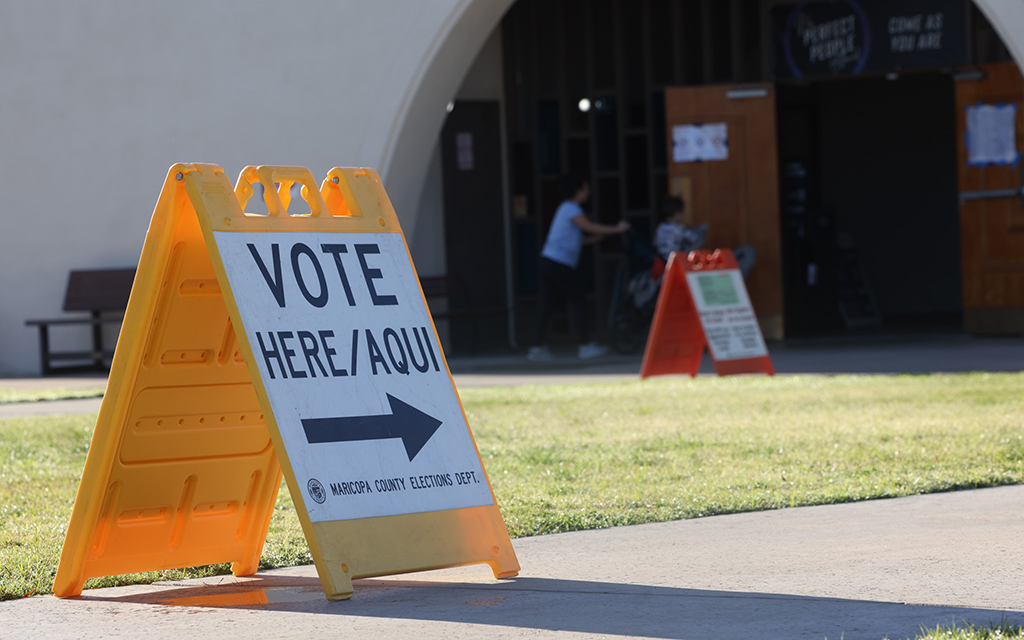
184, 496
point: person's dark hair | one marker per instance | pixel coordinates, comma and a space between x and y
571, 183
671, 206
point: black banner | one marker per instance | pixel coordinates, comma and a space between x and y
851, 37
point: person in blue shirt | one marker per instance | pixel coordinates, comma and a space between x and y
570, 230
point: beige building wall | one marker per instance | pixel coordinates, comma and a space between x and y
100, 98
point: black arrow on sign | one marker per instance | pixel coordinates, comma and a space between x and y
410, 424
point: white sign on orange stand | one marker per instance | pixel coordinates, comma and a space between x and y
726, 315
703, 302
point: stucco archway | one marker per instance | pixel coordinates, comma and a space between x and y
414, 132
1007, 18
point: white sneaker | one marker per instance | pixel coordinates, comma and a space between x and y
592, 350
539, 354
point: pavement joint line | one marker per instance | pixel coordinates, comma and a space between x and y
709, 596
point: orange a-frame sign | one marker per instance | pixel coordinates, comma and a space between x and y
703, 302
260, 345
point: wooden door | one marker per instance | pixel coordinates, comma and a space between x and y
736, 196
991, 211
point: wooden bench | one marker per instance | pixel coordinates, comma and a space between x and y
104, 294
455, 292
452, 289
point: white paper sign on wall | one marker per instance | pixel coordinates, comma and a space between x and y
700, 142
464, 150
992, 135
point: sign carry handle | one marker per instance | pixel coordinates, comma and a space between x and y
279, 197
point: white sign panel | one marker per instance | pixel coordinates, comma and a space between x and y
726, 314
354, 373
699, 142
992, 134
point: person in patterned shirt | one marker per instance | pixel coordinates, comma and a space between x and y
673, 235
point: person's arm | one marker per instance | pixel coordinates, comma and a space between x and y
693, 238
664, 241
598, 229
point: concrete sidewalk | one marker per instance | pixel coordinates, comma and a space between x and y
869, 570
878, 354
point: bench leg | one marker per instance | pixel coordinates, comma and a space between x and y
44, 349
97, 342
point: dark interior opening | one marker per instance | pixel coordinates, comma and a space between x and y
870, 223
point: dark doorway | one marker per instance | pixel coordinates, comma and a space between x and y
474, 229
585, 93
870, 208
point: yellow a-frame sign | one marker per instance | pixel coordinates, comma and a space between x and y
256, 345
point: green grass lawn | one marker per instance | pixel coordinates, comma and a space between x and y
9, 395
586, 456
967, 631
